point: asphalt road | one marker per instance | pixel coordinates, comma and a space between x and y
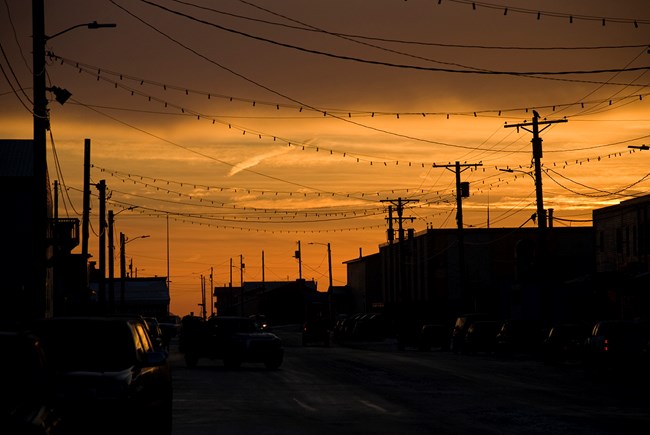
377, 389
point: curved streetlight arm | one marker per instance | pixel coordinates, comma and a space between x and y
127, 240
516, 170
93, 25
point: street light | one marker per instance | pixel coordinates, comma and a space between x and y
123, 241
41, 125
541, 213
111, 256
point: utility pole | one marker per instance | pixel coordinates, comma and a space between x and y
86, 202
298, 256
167, 251
537, 160
101, 186
111, 264
400, 217
462, 191
122, 272
543, 270
211, 293
399, 294
41, 294
241, 281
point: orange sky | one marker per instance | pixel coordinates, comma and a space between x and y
253, 125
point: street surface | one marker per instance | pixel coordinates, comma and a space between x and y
377, 389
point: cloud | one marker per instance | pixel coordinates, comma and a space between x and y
256, 160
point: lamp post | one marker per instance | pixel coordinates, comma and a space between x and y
111, 256
42, 291
541, 213
329, 268
123, 241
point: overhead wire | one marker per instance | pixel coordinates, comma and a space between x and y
396, 65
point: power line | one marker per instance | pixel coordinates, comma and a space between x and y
393, 40
470, 70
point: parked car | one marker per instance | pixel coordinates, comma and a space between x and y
108, 378
519, 336
617, 343
461, 325
481, 336
233, 339
155, 333
316, 331
369, 327
565, 343
345, 326
26, 398
432, 335
170, 326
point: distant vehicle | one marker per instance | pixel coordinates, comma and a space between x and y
170, 326
618, 343
26, 399
481, 336
108, 378
316, 331
565, 343
519, 336
433, 335
344, 326
233, 339
261, 321
461, 326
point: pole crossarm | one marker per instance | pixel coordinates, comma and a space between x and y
526, 124
465, 166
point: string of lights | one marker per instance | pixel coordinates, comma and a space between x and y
569, 18
102, 73
308, 28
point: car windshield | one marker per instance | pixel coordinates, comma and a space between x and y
234, 325
87, 345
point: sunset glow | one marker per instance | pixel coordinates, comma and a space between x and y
238, 128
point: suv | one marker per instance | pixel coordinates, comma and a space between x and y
107, 375
232, 339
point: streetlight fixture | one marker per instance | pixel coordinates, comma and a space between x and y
639, 147
123, 241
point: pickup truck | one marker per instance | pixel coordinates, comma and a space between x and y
233, 339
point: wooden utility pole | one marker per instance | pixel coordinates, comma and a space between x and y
85, 222
241, 283
399, 208
298, 256
542, 220
101, 186
462, 191
401, 294
111, 263
544, 270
